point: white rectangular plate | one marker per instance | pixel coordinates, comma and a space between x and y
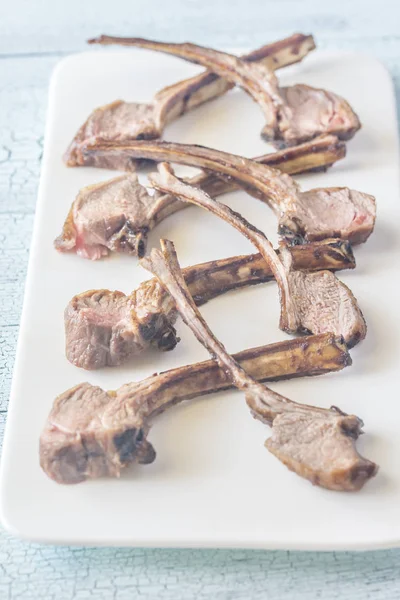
213, 483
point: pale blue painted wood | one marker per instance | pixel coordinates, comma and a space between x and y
33, 35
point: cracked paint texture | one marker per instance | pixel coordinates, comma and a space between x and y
33, 36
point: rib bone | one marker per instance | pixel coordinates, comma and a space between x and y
307, 216
92, 433
312, 302
118, 214
104, 328
317, 444
126, 121
293, 115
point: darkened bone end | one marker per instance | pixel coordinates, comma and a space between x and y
159, 332
132, 446
130, 240
291, 231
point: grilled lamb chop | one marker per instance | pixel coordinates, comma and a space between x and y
104, 328
107, 217
126, 121
293, 114
303, 216
311, 302
117, 215
316, 443
92, 433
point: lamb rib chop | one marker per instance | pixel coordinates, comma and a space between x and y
311, 302
293, 114
126, 121
303, 216
117, 215
316, 443
104, 328
92, 433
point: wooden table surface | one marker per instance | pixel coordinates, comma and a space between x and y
33, 37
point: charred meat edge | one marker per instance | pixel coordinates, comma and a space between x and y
72, 455
316, 443
156, 325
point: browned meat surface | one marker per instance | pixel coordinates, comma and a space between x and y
92, 433
104, 328
118, 214
125, 121
119, 121
316, 443
330, 212
353, 212
316, 302
311, 111
325, 304
293, 115
110, 216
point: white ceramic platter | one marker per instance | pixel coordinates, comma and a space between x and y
213, 483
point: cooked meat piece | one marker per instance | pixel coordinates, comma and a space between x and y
92, 433
337, 308
353, 214
125, 121
325, 304
333, 212
312, 111
117, 215
110, 216
119, 121
293, 115
316, 443
104, 328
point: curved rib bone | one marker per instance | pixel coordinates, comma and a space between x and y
104, 328
312, 302
166, 182
307, 216
317, 444
92, 433
117, 215
126, 121
294, 114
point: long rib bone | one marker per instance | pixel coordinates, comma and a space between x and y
316, 443
126, 121
293, 114
104, 328
312, 302
117, 215
92, 433
307, 216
